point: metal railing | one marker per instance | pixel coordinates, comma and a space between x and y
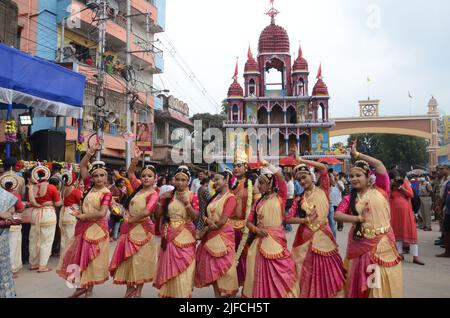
255, 122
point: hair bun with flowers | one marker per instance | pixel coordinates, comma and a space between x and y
9, 182
68, 178
40, 173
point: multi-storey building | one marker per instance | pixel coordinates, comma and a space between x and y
40, 26
8, 22
172, 126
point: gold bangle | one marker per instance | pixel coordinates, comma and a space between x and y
357, 155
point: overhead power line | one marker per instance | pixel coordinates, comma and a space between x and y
174, 53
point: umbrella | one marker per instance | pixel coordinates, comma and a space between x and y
288, 162
255, 165
330, 161
417, 172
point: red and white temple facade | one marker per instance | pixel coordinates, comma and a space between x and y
287, 109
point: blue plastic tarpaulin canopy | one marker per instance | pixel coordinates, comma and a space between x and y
33, 82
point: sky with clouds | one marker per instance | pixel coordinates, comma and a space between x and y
401, 45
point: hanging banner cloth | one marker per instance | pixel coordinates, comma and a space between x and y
27, 81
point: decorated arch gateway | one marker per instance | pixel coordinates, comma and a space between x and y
277, 96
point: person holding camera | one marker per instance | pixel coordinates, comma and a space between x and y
403, 220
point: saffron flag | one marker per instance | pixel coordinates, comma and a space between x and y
235, 76
319, 73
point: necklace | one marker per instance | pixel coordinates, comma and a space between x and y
361, 197
220, 196
308, 194
96, 189
270, 196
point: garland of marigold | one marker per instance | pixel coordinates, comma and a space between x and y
247, 214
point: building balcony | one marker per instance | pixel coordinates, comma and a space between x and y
254, 98
161, 16
159, 62
116, 37
277, 93
137, 7
157, 11
252, 124
113, 82
114, 146
162, 153
144, 6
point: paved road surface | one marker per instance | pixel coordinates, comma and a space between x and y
432, 280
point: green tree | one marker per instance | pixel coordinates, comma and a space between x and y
404, 151
224, 105
210, 120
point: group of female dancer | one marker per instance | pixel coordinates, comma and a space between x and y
243, 243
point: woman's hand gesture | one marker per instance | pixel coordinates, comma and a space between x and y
137, 152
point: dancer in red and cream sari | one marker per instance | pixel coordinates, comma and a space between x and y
134, 260
11, 183
216, 253
88, 250
44, 197
373, 263
271, 271
176, 264
315, 251
72, 198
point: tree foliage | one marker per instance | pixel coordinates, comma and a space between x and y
210, 120
224, 107
404, 151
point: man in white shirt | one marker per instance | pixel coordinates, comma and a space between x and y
290, 197
196, 183
168, 187
336, 188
